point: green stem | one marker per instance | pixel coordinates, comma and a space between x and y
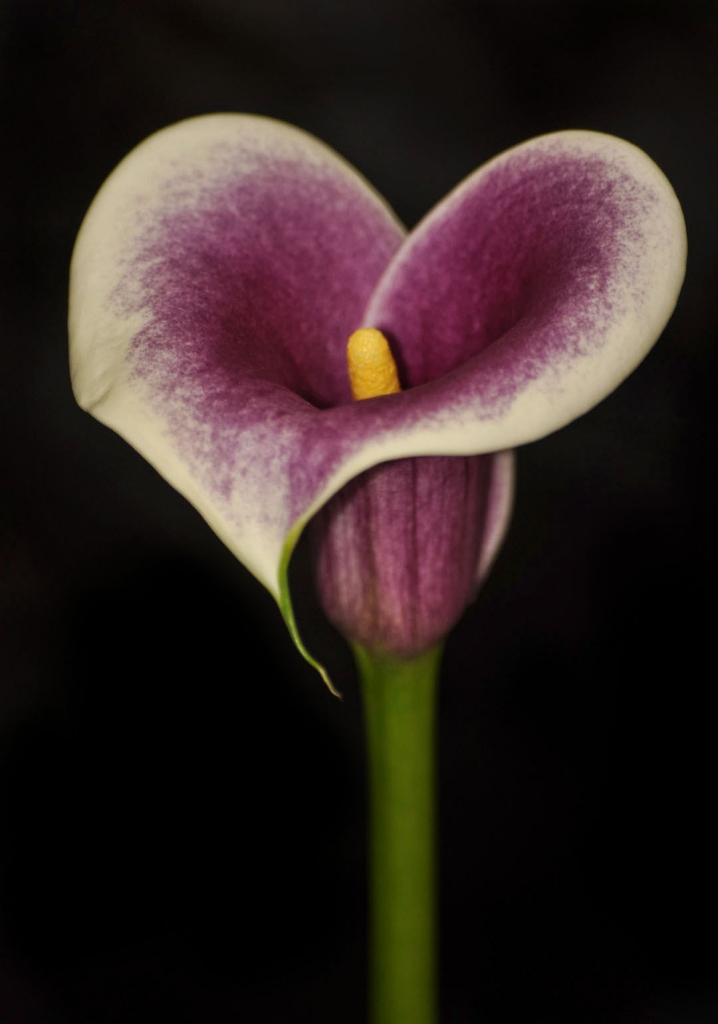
399, 704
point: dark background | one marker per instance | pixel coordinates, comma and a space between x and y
182, 831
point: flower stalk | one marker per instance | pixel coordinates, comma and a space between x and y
399, 708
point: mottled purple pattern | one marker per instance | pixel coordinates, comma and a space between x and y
253, 285
519, 269
396, 551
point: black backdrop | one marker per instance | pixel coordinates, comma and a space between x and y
182, 810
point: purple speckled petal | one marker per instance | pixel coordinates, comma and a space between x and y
223, 265
215, 281
535, 287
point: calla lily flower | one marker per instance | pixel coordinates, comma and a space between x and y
226, 261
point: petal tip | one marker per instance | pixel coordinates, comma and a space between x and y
287, 609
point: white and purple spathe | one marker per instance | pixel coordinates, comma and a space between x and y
219, 273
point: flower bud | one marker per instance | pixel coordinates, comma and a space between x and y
400, 550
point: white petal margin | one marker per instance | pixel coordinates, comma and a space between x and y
464, 411
478, 406
101, 333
